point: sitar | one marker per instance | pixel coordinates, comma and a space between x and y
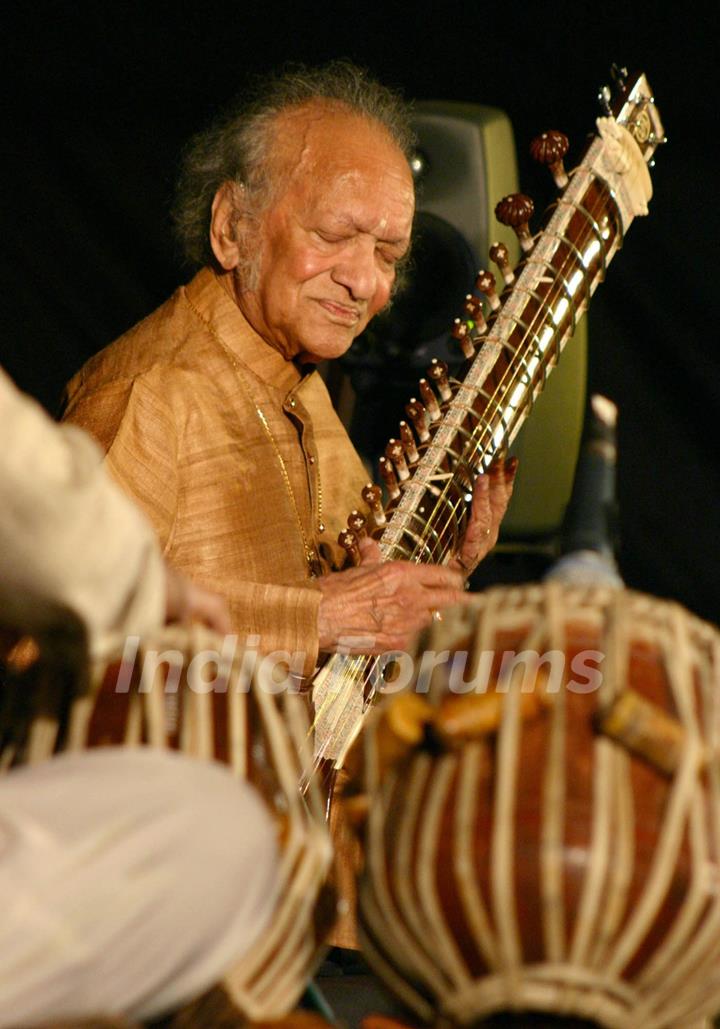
511, 340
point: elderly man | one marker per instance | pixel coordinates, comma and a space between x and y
300, 208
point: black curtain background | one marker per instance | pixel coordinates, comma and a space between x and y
99, 100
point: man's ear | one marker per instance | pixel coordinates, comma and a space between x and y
225, 205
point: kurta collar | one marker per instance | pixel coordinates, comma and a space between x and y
225, 319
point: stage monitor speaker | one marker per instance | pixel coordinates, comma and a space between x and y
465, 162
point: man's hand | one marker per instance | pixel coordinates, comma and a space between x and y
384, 604
491, 496
186, 602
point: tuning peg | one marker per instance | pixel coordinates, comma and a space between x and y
461, 333
372, 495
408, 442
550, 149
349, 542
516, 210
485, 283
395, 452
619, 75
604, 99
387, 472
429, 400
418, 416
356, 523
438, 372
500, 255
473, 309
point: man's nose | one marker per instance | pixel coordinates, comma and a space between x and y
356, 269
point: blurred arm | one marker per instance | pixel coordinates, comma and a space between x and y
66, 530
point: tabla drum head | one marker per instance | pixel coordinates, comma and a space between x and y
543, 827
184, 689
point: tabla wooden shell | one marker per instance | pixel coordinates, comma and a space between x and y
545, 866
160, 696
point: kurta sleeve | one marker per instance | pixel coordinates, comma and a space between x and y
67, 532
284, 618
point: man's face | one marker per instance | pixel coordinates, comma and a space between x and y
330, 242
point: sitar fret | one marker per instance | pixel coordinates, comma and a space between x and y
544, 297
551, 289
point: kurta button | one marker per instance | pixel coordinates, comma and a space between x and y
292, 402
311, 460
321, 527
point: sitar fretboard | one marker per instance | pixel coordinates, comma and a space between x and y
553, 285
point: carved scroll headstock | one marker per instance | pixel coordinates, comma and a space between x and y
634, 107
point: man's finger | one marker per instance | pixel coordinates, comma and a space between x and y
436, 600
370, 553
437, 577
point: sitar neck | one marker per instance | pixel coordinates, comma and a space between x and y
561, 269
509, 358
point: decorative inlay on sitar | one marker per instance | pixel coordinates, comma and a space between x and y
472, 419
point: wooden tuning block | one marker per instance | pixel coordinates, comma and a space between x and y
408, 442
500, 255
515, 210
387, 473
485, 283
349, 542
438, 373
429, 400
372, 495
461, 333
549, 148
418, 416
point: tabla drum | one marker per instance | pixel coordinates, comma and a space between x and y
543, 814
187, 689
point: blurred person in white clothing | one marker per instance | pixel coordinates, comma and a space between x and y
130, 880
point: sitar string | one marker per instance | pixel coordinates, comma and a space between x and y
455, 510
492, 406
487, 426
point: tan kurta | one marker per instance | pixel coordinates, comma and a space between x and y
174, 402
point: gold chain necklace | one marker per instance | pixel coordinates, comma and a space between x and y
312, 556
